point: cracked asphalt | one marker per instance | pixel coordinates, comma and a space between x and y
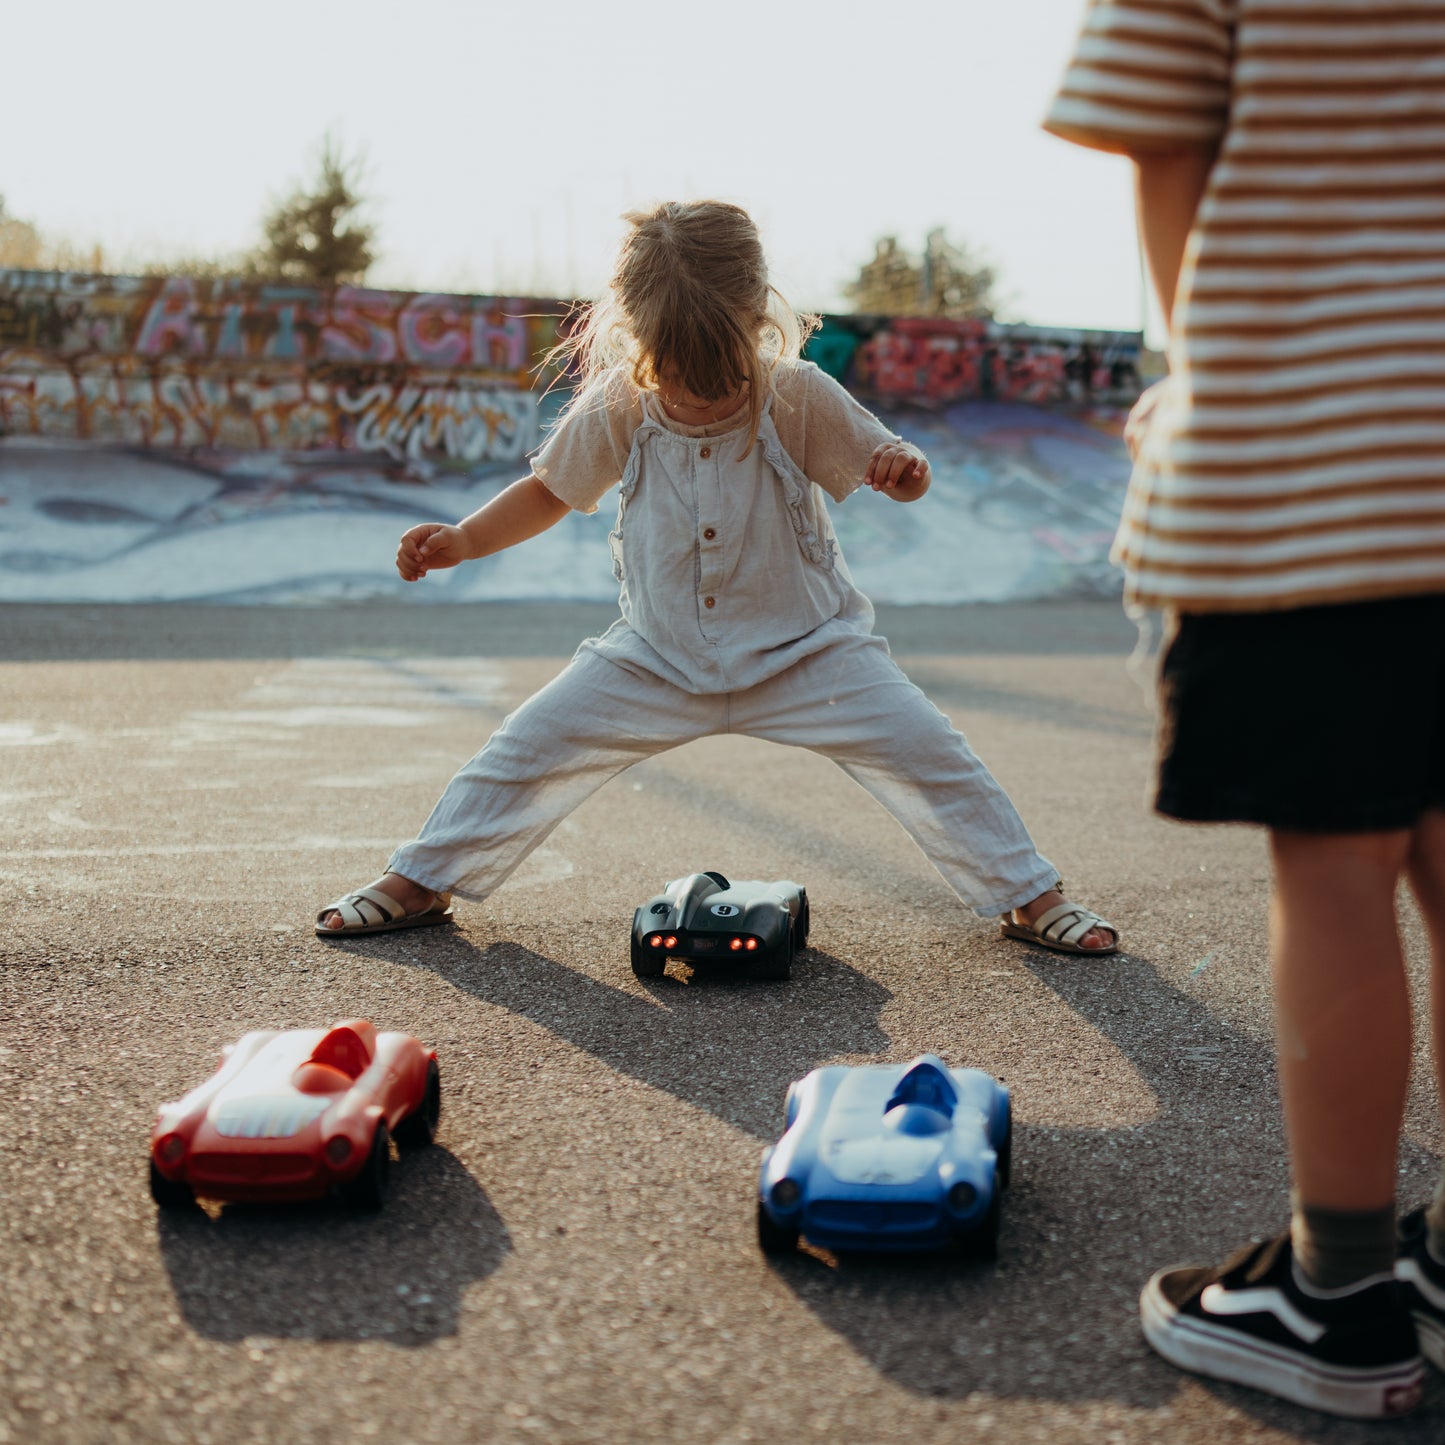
574, 1261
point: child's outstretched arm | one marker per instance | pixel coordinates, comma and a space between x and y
523, 510
898, 471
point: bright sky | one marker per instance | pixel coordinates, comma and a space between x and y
502, 140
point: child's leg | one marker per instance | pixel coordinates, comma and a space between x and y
854, 705
588, 724
1342, 1023
1426, 868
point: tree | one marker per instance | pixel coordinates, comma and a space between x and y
309, 237
23, 247
946, 280
20, 244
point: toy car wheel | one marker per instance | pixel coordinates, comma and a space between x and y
805, 922
779, 963
981, 1242
647, 962
419, 1128
368, 1189
170, 1193
1004, 1168
773, 1238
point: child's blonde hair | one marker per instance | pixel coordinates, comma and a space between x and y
689, 306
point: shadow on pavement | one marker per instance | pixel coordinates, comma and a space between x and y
730, 1046
321, 1272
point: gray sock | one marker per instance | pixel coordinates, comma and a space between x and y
1435, 1221
1335, 1248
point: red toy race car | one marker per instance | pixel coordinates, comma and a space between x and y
298, 1114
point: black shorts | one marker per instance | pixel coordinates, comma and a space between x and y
1321, 719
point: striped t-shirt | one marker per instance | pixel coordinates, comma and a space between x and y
1298, 454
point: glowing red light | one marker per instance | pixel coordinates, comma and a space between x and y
736, 944
656, 940
670, 941
751, 944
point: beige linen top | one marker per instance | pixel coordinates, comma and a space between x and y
729, 568
822, 428
1298, 453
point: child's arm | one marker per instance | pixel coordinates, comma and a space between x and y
898, 471
1169, 185
523, 510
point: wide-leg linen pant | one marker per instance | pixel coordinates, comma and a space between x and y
850, 702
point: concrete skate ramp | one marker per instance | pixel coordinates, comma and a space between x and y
1022, 507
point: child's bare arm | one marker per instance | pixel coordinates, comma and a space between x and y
523, 510
1168, 188
898, 471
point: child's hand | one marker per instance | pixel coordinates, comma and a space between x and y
898, 470
1142, 413
432, 545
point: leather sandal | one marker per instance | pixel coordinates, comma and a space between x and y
1061, 928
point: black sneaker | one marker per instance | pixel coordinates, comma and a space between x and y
1424, 1279
1254, 1321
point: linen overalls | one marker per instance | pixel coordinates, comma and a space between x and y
738, 616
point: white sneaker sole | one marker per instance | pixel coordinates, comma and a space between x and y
1222, 1354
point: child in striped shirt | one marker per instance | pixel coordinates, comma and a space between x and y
1288, 512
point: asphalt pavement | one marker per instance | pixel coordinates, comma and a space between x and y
575, 1260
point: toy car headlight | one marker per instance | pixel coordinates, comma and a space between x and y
786, 1193
338, 1150
962, 1196
170, 1148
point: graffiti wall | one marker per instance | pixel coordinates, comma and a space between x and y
174, 362
166, 439
930, 362
232, 364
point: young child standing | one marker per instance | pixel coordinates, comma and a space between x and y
738, 613
1288, 509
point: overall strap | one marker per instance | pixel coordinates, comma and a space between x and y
645, 428
797, 492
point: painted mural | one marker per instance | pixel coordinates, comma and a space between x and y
175, 362
931, 362
165, 439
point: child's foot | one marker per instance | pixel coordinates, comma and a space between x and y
1051, 920
1254, 1321
390, 902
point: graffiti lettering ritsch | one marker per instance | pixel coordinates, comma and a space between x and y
184, 362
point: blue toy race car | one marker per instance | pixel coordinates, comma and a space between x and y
704, 918
889, 1157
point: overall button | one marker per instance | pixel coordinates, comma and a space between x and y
709, 533
705, 452
709, 601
